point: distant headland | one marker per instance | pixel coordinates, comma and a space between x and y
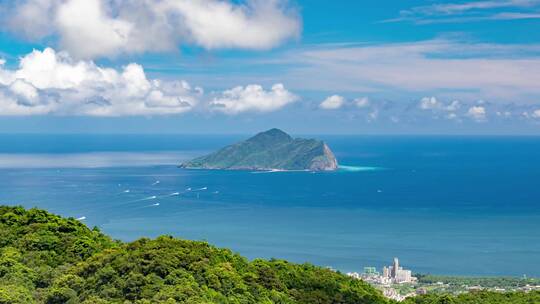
270, 150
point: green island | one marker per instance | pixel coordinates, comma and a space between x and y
269, 150
45, 258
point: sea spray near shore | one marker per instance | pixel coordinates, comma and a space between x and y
358, 168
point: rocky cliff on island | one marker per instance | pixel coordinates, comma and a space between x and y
270, 150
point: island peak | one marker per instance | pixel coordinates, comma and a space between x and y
272, 136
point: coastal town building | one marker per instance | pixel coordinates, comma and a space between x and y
371, 271
397, 283
397, 274
393, 274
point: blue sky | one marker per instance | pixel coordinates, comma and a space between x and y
216, 66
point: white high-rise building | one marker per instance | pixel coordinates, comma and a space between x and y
397, 274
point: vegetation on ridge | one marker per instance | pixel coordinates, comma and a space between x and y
485, 282
478, 297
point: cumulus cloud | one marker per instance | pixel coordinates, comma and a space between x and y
51, 82
431, 103
25, 90
332, 102
94, 28
252, 98
85, 30
451, 116
504, 114
453, 106
477, 113
361, 102
374, 115
473, 110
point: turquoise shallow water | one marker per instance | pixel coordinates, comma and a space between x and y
446, 205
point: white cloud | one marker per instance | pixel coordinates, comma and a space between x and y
31, 18
217, 24
451, 116
252, 98
536, 114
4, 76
11, 106
470, 11
374, 115
477, 113
94, 28
51, 82
26, 90
458, 8
430, 103
453, 106
332, 103
362, 102
85, 30
504, 114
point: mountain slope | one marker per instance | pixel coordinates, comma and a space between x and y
270, 150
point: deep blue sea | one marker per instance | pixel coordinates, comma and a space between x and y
443, 205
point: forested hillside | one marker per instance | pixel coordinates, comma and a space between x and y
479, 297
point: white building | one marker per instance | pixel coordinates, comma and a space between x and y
397, 274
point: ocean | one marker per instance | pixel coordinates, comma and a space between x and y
443, 205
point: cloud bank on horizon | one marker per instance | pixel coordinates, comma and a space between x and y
77, 67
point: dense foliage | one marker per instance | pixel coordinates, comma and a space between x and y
486, 282
481, 297
47, 259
